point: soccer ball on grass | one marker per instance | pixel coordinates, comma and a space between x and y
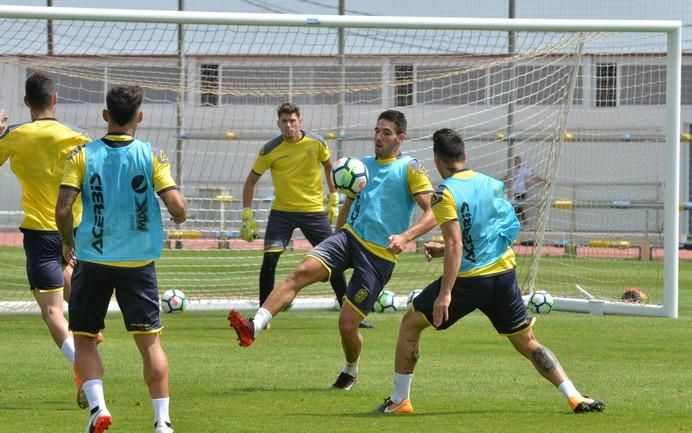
349, 175
386, 302
173, 301
540, 302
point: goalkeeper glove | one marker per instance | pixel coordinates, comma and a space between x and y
248, 230
333, 207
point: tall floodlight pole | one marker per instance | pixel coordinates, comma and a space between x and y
49, 30
342, 88
511, 47
180, 100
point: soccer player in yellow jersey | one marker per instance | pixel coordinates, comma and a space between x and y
296, 160
121, 235
478, 226
37, 152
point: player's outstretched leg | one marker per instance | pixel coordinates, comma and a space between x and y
243, 327
548, 366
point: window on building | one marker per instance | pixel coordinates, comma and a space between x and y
209, 84
687, 89
403, 75
606, 85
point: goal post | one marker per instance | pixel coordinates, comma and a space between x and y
591, 106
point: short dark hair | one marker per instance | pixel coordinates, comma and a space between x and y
123, 102
397, 118
449, 145
288, 108
39, 90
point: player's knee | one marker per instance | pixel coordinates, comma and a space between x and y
156, 373
348, 324
525, 343
413, 321
51, 312
304, 274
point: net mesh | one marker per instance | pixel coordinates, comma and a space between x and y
584, 111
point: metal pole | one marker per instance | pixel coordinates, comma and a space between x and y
342, 88
511, 47
49, 30
180, 100
671, 229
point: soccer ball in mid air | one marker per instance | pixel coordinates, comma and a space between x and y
386, 302
540, 302
412, 295
173, 301
349, 175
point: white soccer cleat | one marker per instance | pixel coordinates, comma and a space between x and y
164, 427
99, 420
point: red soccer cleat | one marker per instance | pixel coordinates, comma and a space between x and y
244, 328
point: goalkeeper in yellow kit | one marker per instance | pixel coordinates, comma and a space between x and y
296, 160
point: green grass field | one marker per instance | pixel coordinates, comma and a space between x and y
234, 273
468, 379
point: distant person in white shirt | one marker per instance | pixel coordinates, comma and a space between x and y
522, 177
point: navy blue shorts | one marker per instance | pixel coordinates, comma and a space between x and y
280, 226
497, 296
44, 261
341, 251
136, 291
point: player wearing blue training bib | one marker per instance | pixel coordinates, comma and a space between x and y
376, 227
478, 226
121, 235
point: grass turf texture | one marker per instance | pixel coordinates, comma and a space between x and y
468, 379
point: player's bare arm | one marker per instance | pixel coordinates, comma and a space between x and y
451, 232
4, 121
425, 223
327, 166
176, 204
343, 213
64, 220
249, 188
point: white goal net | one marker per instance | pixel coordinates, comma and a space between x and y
587, 110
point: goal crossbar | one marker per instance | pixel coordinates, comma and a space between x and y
230, 18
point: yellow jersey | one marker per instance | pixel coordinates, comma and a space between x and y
37, 151
296, 170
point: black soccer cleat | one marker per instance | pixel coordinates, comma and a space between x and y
364, 324
583, 404
344, 381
